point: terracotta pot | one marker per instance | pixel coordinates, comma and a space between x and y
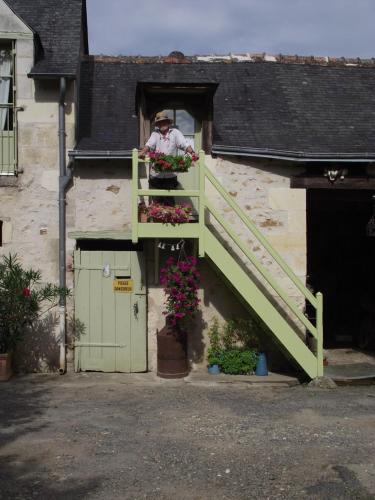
172, 351
5, 366
142, 216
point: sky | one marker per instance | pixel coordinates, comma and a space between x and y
306, 27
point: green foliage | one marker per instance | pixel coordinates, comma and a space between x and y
215, 348
240, 331
21, 297
237, 361
234, 345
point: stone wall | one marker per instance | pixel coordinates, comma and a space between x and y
29, 201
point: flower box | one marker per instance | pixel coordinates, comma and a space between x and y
166, 214
168, 163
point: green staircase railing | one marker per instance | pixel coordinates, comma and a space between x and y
288, 335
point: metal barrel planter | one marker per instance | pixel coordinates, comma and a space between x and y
172, 351
5, 367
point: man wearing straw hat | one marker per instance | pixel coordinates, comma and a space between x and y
166, 140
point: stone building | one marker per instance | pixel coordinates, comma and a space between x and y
288, 143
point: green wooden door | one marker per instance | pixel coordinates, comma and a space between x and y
110, 317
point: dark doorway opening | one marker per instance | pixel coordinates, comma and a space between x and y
341, 264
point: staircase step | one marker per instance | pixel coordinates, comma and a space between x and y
260, 304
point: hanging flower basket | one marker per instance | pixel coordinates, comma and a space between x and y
168, 163
180, 280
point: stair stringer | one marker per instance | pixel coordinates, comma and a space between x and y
260, 304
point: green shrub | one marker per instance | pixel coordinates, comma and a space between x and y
234, 345
240, 331
237, 361
215, 348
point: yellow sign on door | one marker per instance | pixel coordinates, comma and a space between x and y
123, 285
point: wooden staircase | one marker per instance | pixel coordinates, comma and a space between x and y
282, 321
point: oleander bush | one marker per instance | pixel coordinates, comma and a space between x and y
23, 299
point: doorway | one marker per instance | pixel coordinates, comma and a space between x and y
110, 311
341, 264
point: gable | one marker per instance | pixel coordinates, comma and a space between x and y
58, 26
11, 23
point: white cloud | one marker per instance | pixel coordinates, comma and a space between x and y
320, 27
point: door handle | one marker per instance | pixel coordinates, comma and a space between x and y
135, 309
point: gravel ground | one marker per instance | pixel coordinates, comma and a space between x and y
99, 436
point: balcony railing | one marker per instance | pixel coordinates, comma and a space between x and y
8, 139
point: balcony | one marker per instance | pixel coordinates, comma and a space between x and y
8, 140
158, 230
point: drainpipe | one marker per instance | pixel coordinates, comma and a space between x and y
64, 179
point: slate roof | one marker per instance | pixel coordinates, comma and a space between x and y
57, 24
266, 108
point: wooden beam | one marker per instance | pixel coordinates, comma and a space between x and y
100, 235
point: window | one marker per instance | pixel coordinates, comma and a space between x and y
8, 149
190, 105
188, 125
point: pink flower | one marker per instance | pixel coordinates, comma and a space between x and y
26, 292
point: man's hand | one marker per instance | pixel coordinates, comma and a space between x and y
192, 153
142, 152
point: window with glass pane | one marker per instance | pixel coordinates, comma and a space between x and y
184, 122
7, 135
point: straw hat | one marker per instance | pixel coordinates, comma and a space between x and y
162, 116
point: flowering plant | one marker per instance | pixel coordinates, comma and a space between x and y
176, 214
21, 297
169, 163
181, 281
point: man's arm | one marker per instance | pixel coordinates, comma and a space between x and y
182, 142
150, 144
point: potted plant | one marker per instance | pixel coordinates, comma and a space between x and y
214, 351
168, 163
233, 346
181, 281
21, 297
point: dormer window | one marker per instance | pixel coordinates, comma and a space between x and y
191, 107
